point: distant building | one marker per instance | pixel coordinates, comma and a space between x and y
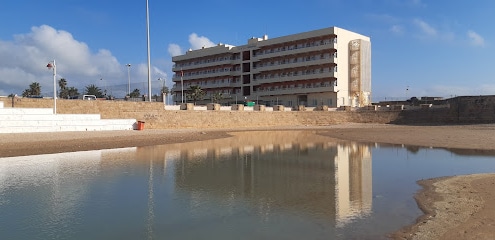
330, 66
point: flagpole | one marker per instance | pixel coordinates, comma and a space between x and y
148, 39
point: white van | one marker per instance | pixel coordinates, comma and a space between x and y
89, 97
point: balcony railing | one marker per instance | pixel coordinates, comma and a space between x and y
292, 51
296, 77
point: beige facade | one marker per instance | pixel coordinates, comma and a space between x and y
330, 66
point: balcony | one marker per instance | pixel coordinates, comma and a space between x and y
298, 77
302, 63
203, 65
295, 51
219, 73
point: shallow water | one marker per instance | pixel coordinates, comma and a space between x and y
256, 185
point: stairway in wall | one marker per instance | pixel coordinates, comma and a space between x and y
24, 120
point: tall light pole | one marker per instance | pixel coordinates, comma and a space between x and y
128, 79
52, 65
148, 41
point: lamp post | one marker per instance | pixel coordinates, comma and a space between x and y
52, 65
104, 87
163, 87
128, 79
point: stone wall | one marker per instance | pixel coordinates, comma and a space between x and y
155, 117
459, 110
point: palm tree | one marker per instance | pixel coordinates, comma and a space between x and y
196, 93
62, 83
33, 90
216, 97
93, 90
72, 92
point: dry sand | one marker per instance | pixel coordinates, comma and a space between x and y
459, 207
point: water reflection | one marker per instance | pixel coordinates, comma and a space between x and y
294, 171
268, 185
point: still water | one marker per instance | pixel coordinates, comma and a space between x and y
256, 185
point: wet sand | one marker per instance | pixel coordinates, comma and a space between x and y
458, 207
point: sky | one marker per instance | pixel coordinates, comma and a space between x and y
419, 47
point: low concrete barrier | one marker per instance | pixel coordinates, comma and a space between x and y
279, 108
237, 107
260, 108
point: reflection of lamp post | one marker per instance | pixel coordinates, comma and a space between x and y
54, 66
128, 79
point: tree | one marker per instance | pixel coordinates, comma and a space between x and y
216, 97
72, 92
135, 94
33, 90
195, 93
94, 90
62, 84
165, 90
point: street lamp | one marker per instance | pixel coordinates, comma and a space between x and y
163, 88
128, 79
52, 65
104, 87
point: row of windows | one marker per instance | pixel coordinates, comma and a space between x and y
217, 70
207, 60
296, 60
295, 46
295, 73
236, 56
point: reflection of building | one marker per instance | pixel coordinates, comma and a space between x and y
353, 182
330, 66
319, 178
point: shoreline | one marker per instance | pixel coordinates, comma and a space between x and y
454, 207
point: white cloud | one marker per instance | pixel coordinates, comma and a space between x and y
418, 3
475, 39
23, 61
174, 49
425, 28
198, 42
397, 29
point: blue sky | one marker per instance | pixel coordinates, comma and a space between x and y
419, 47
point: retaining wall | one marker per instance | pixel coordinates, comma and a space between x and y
155, 117
458, 110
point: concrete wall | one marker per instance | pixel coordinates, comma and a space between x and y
155, 117
460, 110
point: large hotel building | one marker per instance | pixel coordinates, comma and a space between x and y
330, 66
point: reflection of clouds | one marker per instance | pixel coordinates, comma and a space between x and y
59, 180
57, 183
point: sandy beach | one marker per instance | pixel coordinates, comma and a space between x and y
455, 207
